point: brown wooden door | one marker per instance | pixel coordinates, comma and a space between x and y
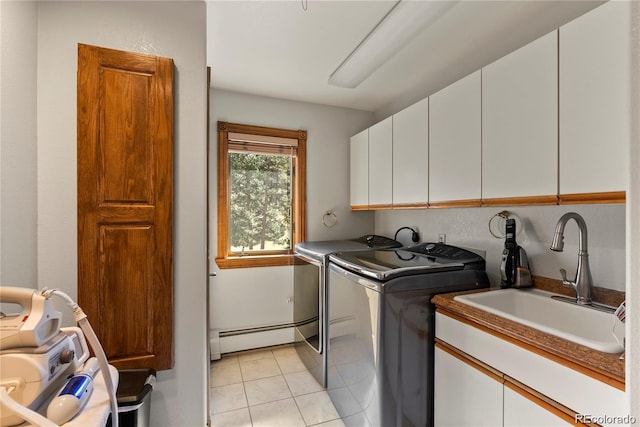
125, 195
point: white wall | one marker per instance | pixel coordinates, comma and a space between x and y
535, 225
632, 362
2, 49
251, 297
18, 202
170, 29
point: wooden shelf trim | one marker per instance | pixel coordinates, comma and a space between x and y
519, 201
592, 198
380, 207
541, 400
470, 360
421, 205
611, 197
471, 203
360, 207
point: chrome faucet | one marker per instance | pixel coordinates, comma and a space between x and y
583, 282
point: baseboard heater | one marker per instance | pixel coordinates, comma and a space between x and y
235, 332
231, 341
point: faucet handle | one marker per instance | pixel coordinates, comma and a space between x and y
566, 282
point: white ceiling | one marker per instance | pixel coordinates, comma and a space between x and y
278, 49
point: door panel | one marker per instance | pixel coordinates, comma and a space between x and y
125, 163
120, 249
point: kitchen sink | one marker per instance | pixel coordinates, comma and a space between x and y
537, 309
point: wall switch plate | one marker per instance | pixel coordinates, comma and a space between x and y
442, 238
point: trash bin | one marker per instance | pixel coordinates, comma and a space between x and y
134, 396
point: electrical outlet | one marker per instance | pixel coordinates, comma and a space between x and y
442, 238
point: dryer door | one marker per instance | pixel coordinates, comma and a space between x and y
307, 294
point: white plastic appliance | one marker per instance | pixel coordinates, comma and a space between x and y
37, 356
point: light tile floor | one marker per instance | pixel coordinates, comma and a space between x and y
268, 388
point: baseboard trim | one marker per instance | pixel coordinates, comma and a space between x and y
253, 340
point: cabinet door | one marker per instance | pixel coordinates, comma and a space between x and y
520, 123
125, 203
523, 409
380, 164
463, 394
411, 155
595, 100
455, 142
359, 170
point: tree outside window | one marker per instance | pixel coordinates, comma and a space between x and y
260, 194
261, 187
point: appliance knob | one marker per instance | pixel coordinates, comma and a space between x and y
67, 356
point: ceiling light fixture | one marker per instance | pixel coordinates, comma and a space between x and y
400, 25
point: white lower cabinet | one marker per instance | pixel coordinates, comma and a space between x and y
469, 395
464, 395
481, 379
521, 409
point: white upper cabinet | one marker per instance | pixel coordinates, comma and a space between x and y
411, 155
455, 141
520, 122
359, 169
595, 100
548, 123
380, 164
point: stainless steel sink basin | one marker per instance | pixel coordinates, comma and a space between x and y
536, 308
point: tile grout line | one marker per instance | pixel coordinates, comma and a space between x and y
246, 396
295, 402
282, 375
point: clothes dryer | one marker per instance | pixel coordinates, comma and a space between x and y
309, 295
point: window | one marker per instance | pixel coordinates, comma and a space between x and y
261, 195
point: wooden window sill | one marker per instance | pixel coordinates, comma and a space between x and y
255, 261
